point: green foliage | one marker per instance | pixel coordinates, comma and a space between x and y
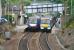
53, 1
69, 24
14, 2
8, 17
3, 2
57, 1
29, 14
27, 2
41, 0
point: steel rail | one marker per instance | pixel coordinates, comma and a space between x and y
23, 42
44, 42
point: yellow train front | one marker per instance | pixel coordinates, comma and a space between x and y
45, 25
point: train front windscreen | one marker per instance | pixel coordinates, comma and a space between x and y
32, 21
45, 21
45, 24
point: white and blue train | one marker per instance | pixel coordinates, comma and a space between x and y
33, 23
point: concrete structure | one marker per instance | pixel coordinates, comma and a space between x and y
21, 22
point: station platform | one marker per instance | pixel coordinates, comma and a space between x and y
20, 28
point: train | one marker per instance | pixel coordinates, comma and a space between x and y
47, 23
33, 24
41, 23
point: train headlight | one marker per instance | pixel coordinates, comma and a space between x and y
42, 28
48, 28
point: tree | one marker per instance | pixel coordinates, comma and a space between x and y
3, 2
0, 9
26, 2
57, 1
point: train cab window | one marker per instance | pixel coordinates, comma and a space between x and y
32, 21
45, 21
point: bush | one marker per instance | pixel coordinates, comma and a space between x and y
69, 24
8, 17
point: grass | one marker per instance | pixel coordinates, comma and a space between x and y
2, 40
69, 24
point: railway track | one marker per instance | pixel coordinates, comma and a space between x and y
24, 41
44, 41
34, 41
